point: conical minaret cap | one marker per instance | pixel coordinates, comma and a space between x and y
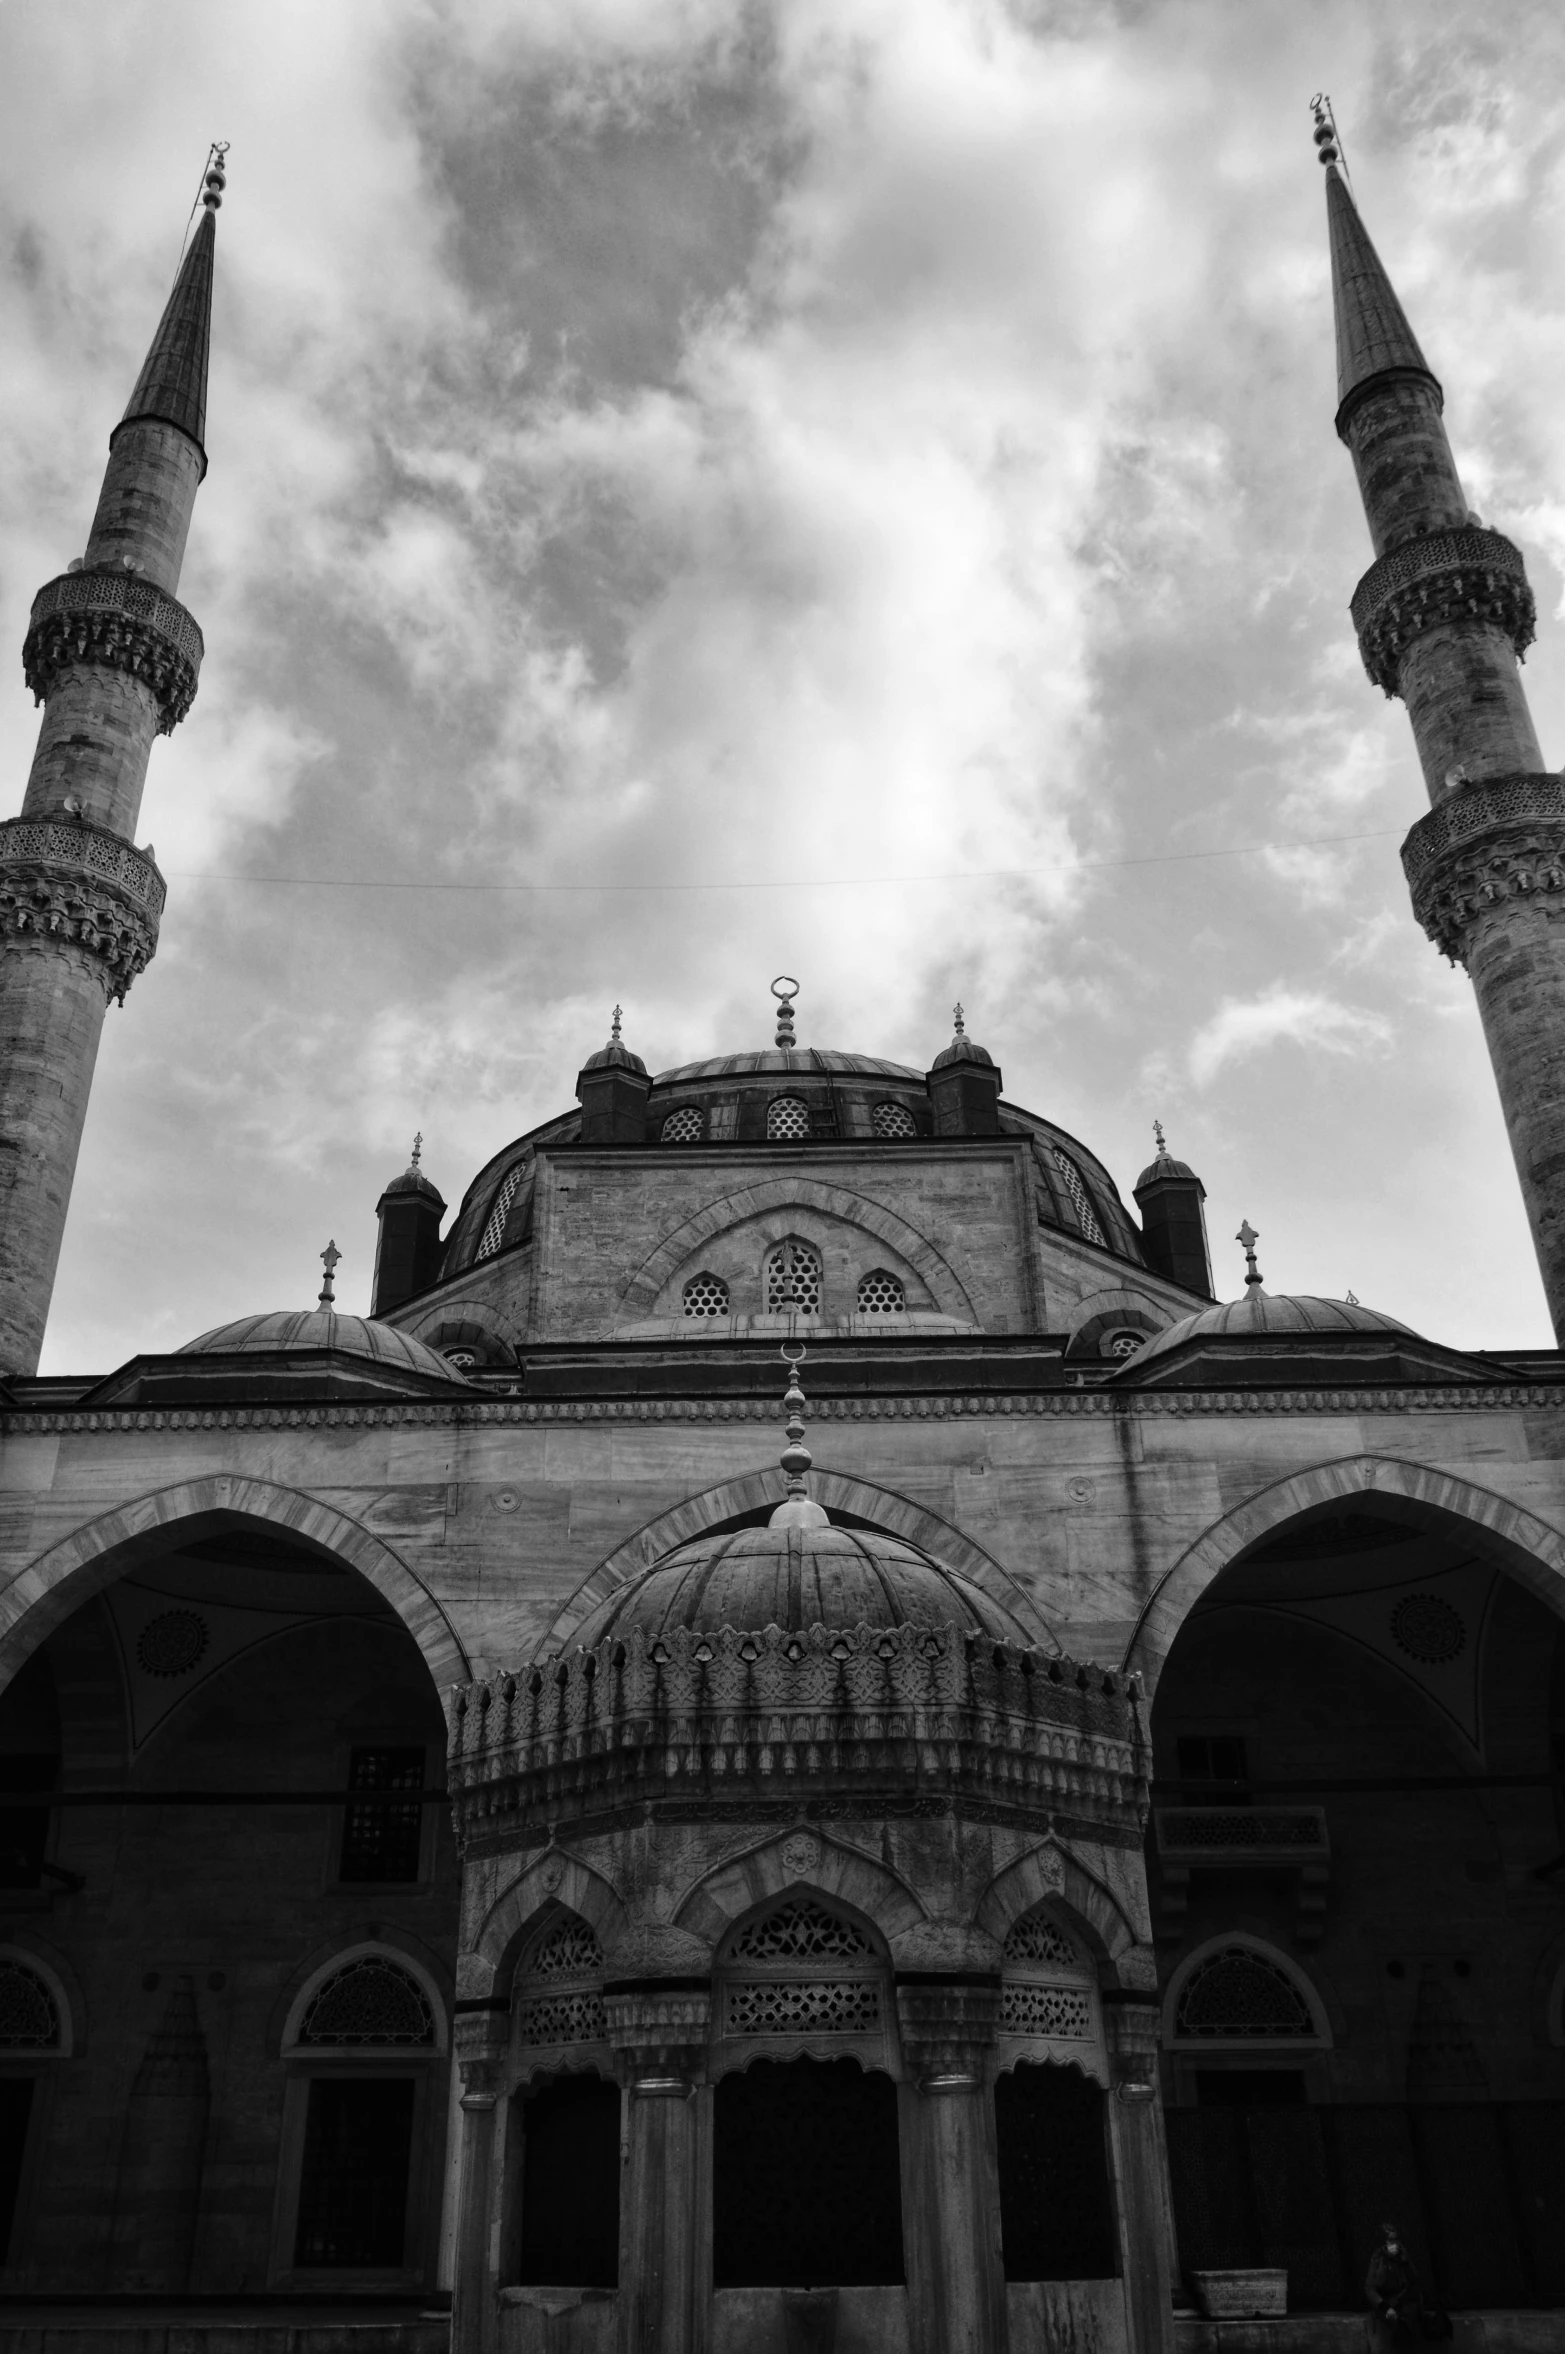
172, 383
1373, 336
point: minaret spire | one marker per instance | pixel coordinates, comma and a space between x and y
113, 657
1442, 617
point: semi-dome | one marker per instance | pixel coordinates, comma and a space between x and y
795, 1577
286, 1331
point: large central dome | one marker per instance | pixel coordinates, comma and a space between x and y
797, 1577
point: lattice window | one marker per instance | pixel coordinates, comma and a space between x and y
686, 1126
1032, 2008
793, 1278
1037, 1941
881, 1294
494, 1228
29, 2019
562, 1993
1076, 1187
892, 1119
1123, 1344
369, 2001
804, 2006
801, 1931
787, 1115
382, 1834
706, 1295
1237, 1992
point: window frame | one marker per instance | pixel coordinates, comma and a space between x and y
1086, 2053
1232, 2048
801, 1136
794, 1241
874, 2049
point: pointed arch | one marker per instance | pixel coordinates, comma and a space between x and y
898, 1515
805, 1861
554, 1881
1531, 1549
1114, 1925
101, 1550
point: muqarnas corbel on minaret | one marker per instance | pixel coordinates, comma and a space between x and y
1444, 615
113, 657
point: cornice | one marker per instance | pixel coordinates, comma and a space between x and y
1436, 1398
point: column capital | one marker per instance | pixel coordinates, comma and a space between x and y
948, 2022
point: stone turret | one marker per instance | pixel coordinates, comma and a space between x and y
1443, 615
407, 1253
113, 657
964, 1086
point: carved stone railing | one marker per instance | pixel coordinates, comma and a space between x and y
74, 881
122, 621
1502, 838
1469, 574
691, 1714
1243, 1839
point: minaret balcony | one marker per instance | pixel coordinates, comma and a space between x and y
78, 882
1467, 575
1498, 839
122, 621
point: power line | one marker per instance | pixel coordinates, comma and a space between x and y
996, 874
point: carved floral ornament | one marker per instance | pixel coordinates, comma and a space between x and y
1443, 576
121, 622
1486, 844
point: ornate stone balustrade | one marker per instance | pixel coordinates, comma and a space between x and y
1502, 838
1471, 574
697, 1714
122, 621
75, 881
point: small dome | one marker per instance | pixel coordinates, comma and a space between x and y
321, 1328
1266, 1312
413, 1180
962, 1050
1165, 1166
615, 1056
798, 1577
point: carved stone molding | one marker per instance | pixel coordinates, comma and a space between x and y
659, 2027
123, 622
66, 880
1500, 839
1466, 575
950, 2027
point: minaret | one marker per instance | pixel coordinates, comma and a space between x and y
113, 658
1443, 615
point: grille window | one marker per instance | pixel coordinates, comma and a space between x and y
381, 1834
563, 1997
706, 1295
802, 1971
685, 1126
570, 2141
353, 2188
787, 1115
880, 1294
494, 1229
1123, 1344
806, 2179
1075, 1186
892, 1119
370, 2001
29, 2021
1056, 2209
793, 1279
1239, 1992
1045, 1987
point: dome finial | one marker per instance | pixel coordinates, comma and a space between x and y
785, 989
418, 1146
1162, 1141
329, 1258
960, 1026
1328, 145
614, 1023
1248, 1238
797, 1509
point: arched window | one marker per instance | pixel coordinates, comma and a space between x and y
371, 2001
1076, 1187
802, 1972
892, 1119
880, 1293
1048, 1988
1056, 2211
787, 1115
569, 2131
793, 1279
1237, 1992
29, 2013
559, 1997
686, 1126
706, 1295
494, 1225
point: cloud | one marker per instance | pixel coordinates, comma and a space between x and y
1244, 1027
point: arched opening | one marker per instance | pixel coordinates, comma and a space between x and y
569, 2130
1056, 2210
1355, 1859
250, 1751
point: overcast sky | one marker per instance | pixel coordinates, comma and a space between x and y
845, 487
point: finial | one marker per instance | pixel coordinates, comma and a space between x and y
1353, 1300
785, 989
329, 1258
1327, 144
1162, 1142
418, 1146
1248, 1237
614, 1025
216, 175
798, 1508
956, 1016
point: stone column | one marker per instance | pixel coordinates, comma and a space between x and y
1140, 2160
950, 2165
479, 2058
659, 2031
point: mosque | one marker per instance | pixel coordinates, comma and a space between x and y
802, 1741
